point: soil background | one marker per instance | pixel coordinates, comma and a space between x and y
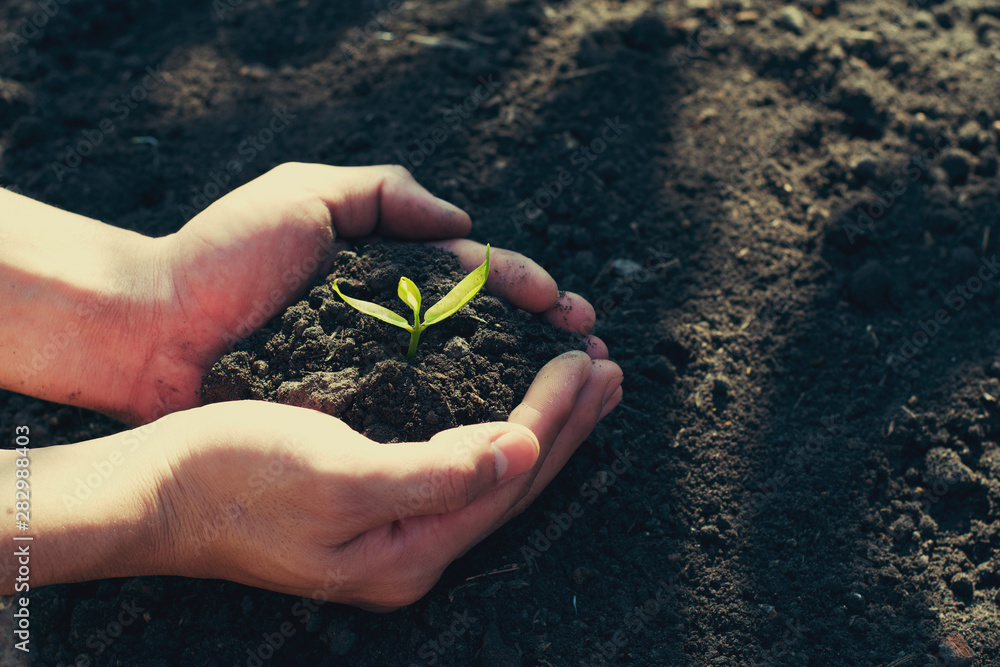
779, 212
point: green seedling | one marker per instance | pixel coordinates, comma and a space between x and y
459, 295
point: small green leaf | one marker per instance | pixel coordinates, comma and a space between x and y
460, 295
373, 309
410, 294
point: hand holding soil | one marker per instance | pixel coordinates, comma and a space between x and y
275, 496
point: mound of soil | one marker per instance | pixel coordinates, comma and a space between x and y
322, 354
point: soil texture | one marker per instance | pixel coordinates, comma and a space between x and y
785, 213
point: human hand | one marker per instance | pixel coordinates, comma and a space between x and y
255, 251
293, 500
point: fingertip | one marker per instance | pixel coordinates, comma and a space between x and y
595, 347
460, 220
611, 403
571, 312
515, 452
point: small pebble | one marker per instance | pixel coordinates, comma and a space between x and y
627, 269
791, 18
770, 613
855, 602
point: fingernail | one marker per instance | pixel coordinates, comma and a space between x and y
513, 453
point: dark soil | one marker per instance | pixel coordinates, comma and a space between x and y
780, 213
322, 354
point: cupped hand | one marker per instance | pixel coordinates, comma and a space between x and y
293, 500
255, 251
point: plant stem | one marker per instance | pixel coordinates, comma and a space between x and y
414, 339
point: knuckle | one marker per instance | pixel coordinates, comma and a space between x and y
397, 172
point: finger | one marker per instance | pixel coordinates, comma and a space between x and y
561, 407
552, 397
550, 401
596, 349
599, 395
612, 402
381, 199
571, 312
513, 276
450, 471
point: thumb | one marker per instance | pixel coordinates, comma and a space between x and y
454, 468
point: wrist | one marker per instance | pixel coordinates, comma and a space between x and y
96, 510
80, 303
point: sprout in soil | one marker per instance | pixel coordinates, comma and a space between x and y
459, 295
